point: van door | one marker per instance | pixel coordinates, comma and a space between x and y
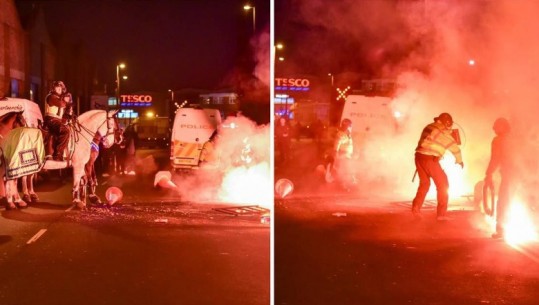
192, 128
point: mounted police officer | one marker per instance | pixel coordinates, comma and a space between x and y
55, 107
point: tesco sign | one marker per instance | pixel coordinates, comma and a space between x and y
292, 82
136, 98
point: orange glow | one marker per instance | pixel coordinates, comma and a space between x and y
519, 228
244, 185
455, 175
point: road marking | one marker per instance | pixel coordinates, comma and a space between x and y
36, 237
70, 208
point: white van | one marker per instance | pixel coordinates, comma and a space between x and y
31, 112
369, 114
192, 128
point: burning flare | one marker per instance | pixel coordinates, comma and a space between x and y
519, 228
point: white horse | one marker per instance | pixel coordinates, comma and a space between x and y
89, 126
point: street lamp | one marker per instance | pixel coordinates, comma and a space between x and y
118, 67
248, 7
332, 76
171, 94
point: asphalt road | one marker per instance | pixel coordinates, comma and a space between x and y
151, 248
339, 247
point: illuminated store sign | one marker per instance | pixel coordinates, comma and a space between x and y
292, 84
135, 100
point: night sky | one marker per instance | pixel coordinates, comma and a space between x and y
165, 44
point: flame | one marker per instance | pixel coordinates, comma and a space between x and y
248, 185
455, 175
519, 228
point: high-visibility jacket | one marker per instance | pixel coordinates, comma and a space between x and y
54, 106
343, 146
435, 140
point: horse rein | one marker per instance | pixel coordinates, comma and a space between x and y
78, 128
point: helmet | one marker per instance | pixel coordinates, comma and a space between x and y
445, 118
501, 126
58, 83
345, 123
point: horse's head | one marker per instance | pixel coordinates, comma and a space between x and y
109, 131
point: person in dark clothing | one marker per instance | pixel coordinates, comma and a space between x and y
54, 110
69, 113
282, 139
129, 150
502, 158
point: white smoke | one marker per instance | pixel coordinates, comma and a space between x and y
242, 174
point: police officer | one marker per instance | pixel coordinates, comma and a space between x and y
435, 139
54, 110
343, 149
501, 158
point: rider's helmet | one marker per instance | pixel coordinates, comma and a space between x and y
59, 83
446, 119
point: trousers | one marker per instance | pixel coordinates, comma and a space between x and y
428, 167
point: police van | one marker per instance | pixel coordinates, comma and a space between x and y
192, 128
370, 114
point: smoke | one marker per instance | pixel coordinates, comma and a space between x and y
241, 174
251, 76
476, 60
260, 45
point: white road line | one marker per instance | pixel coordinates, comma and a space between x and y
36, 237
70, 208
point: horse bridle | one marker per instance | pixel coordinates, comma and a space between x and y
111, 130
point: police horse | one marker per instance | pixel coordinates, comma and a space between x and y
8, 122
86, 132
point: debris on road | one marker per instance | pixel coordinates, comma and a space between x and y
164, 180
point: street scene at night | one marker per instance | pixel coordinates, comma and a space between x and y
405, 152
135, 152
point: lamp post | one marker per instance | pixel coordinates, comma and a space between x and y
332, 78
118, 67
248, 7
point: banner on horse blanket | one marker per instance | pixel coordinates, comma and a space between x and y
23, 152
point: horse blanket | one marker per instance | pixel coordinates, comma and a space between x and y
23, 152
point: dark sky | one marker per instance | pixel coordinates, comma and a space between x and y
165, 44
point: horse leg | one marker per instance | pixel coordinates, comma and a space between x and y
91, 177
3, 195
83, 188
77, 179
25, 192
12, 195
33, 195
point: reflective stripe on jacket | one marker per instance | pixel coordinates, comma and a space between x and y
435, 140
344, 146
